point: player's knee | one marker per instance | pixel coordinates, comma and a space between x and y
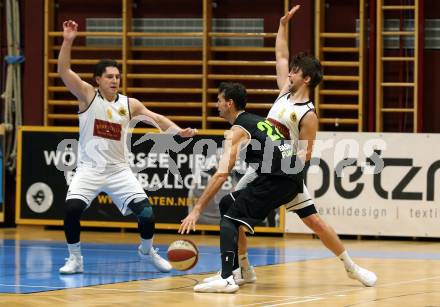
74, 208
225, 203
142, 209
227, 225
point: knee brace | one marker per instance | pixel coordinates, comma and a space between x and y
74, 208
145, 215
225, 203
228, 234
142, 209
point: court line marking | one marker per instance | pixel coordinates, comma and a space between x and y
295, 302
324, 295
322, 253
29, 286
313, 296
139, 290
130, 250
283, 301
380, 286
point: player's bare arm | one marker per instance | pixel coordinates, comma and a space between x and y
282, 50
307, 133
233, 140
83, 91
155, 119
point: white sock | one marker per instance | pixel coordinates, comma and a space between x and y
243, 261
146, 245
348, 263
75, 249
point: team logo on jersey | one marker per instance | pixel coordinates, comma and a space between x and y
39, 197
293, 117
122, 111
107, 130
109, 113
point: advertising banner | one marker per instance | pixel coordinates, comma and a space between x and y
375, 184
172, 176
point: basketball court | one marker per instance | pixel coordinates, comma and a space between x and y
293, 270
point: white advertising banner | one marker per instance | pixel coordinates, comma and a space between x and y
375, 184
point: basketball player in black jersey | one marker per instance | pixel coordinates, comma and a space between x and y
279, 173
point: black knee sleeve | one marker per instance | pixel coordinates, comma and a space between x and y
72, 215
145, 215
225, 203
228, 246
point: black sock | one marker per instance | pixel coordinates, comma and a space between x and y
227, 263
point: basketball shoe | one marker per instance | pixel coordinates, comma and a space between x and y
73, 265
221, 285
241, 276
246, 276
366, 277
153, 256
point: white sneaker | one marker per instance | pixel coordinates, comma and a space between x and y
221, 285
241, 276
245, 276
235, 273
160, 263
217, 276
366, 277
73, 265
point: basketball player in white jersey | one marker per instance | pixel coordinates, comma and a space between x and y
294, 115
104, 117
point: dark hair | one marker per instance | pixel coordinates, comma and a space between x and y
310, 67
236, 92
102, 65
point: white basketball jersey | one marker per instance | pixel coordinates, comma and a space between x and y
102, 132
287, 116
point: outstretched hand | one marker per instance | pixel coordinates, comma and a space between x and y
189, 223
70, 29
286, 18
187, 132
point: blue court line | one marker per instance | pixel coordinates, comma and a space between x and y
32, 266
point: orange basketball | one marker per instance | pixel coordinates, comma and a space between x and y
183, 254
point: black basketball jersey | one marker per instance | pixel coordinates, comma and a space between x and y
268, 151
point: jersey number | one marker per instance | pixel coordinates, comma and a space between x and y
270, 130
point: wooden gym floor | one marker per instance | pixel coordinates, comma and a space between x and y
303, 274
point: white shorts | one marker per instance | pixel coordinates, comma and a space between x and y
120, 184
301, 200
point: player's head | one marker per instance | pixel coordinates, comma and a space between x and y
305, 70
107, 75
231, 97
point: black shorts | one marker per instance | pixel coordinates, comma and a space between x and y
266, 193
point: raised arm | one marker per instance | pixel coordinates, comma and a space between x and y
158, 120
82, 90
234, 138
282, 50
